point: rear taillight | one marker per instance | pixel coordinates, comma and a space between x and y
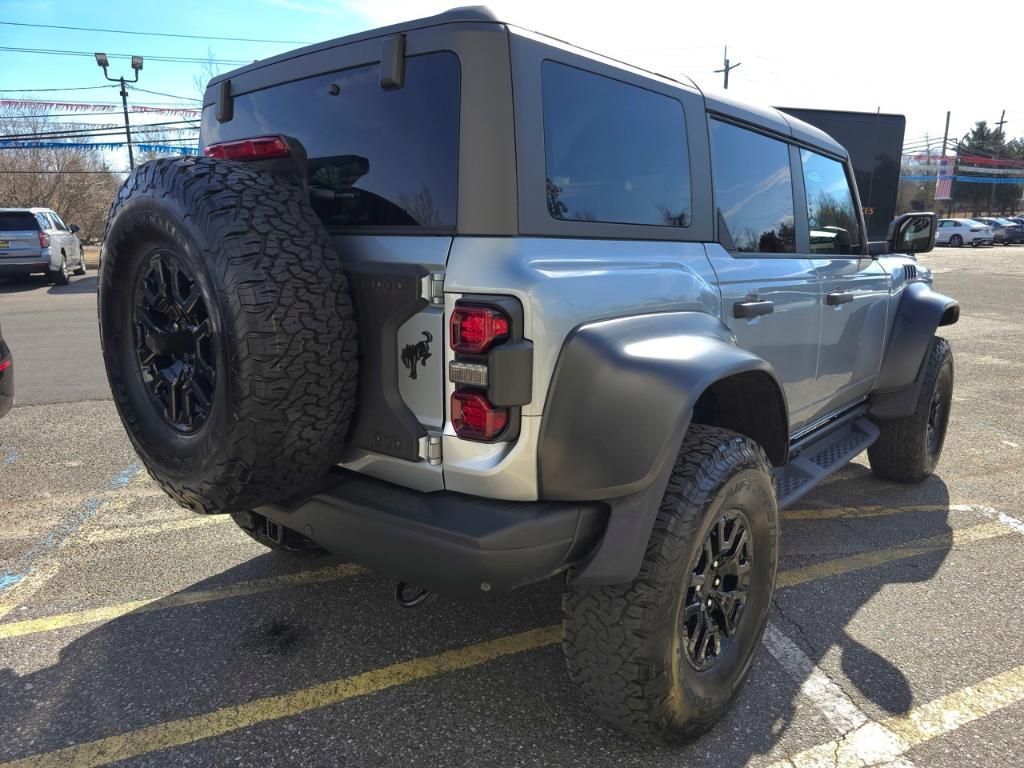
4, 365
475, 418
262, 148
44, 239
474, 330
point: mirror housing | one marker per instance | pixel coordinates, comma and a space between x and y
73, 228
912, 233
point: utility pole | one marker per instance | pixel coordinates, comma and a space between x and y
999, 132
101, 60
942, 166
726, 67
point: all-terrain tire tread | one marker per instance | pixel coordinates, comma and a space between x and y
610, 632
292, 346
900, 453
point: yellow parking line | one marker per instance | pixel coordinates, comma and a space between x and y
971, 703
867, 511
133, 531
227, 719
889, 739
788, 578
815, 571
179, 599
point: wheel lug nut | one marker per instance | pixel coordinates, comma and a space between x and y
717, 582
697, 589
709, 603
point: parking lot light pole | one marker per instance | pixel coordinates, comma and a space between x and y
101, 60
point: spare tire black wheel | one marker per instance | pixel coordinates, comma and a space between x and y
227, 331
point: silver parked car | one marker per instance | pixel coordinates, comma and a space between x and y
37, 240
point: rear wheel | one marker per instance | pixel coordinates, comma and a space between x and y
61, 276
908, 449
956, 241
663, 656
227, 331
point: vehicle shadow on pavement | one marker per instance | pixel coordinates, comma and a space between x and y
22, 284
154, 667
84, 284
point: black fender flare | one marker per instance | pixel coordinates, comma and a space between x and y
618, 407
920, 312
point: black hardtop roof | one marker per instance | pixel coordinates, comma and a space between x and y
766, 117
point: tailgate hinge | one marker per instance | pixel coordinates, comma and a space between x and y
433, 288
430, 448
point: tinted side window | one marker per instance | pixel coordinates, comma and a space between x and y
377, 158
753, 189
831, 213
58, 221
613, 152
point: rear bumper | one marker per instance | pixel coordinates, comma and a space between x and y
12, 267
446, 542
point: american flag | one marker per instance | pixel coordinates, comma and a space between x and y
944, 182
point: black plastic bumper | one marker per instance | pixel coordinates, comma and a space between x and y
446, 542
23, 268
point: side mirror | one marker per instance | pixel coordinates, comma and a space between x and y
73, 228
913, 233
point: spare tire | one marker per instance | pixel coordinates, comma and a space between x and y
228, 332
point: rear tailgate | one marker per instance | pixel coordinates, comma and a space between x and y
382, 168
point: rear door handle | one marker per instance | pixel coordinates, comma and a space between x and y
750, 309
836, 298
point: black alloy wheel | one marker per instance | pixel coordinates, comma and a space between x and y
718, 590
174, 341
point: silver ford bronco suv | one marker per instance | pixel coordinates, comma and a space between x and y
475, 308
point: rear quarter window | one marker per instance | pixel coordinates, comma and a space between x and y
15, 221
376, 158
613, 152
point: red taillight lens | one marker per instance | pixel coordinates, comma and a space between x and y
44, 240
475, 329
4, 365
474, 417
263, 148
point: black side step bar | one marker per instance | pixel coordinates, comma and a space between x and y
821, 454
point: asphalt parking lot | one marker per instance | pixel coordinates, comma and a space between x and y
135, 633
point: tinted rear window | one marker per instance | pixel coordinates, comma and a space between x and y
13, 221
377, 158
613, 152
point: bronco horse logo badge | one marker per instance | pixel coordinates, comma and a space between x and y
415, 354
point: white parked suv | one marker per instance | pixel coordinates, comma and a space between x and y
37, 240
957, 232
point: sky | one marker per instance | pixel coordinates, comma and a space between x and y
858, 56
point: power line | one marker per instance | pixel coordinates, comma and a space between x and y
43, 90
149, 57
156, 34
112, 130
161, 93
92, 127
